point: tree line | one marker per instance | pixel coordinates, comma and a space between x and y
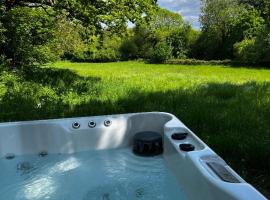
235, 29
33, 32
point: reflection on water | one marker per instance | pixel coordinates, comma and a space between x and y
64, 166
38, 189
93, 175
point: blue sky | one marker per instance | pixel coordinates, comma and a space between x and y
189, 9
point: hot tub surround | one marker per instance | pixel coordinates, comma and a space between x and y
201, 172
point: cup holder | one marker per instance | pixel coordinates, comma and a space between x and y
187, 147
179, 136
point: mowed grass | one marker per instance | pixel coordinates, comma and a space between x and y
229, 108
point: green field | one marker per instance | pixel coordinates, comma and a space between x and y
228, 107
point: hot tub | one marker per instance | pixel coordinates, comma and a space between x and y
92, 158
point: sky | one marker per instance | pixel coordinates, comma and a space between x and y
189, 9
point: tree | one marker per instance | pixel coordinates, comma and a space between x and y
68, 41
165, 26
225, 22
263, 6
94, 14
108, 48
161, 53
27, 35
255, 50
182, 41
38, 31
128, 49
166, 21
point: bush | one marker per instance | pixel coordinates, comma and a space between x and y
254, 50
245, 51
199, 62
107, 55
129, 49
144, 40
182, 40
108, 48
105, 48
161, 53
263, 43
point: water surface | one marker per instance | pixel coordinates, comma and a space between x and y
94, 175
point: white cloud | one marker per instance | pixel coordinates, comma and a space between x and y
189, 9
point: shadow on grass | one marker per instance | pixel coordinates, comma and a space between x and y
61, 80
42, 93
234, 120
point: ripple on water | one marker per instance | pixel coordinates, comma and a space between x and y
103, 175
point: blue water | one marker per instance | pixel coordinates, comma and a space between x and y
93, 175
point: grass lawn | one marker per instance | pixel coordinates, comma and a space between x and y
229, 108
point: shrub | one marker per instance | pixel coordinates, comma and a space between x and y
162, 52
199, 62
108, 48
107, 55
144, 40
181, 40
254, 50
245, 51
129, 49
263, 44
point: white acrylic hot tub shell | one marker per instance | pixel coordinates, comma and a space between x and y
58, 136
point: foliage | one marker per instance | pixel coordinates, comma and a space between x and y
245, 51
2, 36
145, 41
161, 53
261, 5
27, 36
97, 31
225, 22
165, 22
167, 27
198, 62
129, 50
105, 48
108, 50
2, 41
68, 40
256, 49
263, 44
68, 30
36, 32
92, 14
182, 41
